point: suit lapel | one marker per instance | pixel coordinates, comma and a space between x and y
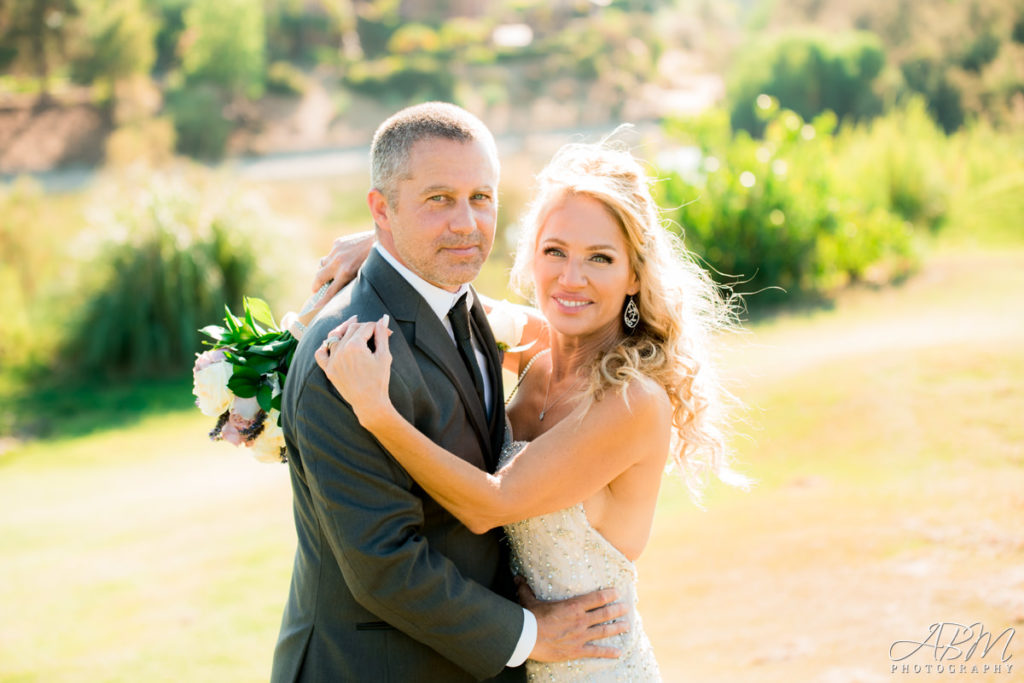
429, 335
431, 338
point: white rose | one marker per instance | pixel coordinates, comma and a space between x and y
507, 323
210, 386
267, 446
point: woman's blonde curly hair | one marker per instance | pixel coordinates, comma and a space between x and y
680, 306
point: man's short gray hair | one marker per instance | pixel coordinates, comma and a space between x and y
394, 139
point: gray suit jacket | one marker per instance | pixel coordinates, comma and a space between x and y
387, 585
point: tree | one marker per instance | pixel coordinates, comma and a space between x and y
224, 45
33, 35
117, 41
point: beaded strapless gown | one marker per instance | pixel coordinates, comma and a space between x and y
562, 556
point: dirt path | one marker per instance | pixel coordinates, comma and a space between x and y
889, 446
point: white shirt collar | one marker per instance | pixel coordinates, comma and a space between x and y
439, 300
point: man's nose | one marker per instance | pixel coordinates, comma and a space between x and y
462, 218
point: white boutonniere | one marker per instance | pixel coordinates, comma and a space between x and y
507, 324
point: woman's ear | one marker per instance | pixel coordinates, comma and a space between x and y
634, 285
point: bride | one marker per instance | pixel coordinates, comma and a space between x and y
618, 379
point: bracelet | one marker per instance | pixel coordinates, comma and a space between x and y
291, 322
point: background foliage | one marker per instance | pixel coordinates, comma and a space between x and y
850, 134
168, 260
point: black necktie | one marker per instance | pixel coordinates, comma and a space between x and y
459, 316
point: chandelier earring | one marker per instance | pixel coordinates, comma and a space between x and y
631, 315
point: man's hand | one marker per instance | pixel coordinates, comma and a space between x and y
565, 629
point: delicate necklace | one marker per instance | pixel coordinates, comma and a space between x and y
561, 395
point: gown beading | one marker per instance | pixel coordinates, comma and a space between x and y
561, 555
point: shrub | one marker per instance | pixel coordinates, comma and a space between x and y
171, 257
896, 162
808, 73
226, 46
20, 255
284, 78
774, 213
930, 77
150, 142
200, 127
402, 78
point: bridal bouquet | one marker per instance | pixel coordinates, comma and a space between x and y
239, 380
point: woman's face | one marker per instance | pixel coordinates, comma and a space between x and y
581, 268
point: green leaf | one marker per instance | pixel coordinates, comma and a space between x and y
275, 403
259, 310
274, 349
215, 332
261, 364
265, 396
233, 323
242, 387
250, 325
246, 372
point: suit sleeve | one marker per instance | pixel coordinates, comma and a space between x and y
371, 518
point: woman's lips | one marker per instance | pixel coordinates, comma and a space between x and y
571, 304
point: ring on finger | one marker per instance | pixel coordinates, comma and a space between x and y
330, 342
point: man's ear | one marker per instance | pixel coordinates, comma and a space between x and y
378, 204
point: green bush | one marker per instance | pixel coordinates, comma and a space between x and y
777, 213
897, 162
226, 46
284, 78
808, 73
21, 252
930, 77
200, 127
171, 258
402, 79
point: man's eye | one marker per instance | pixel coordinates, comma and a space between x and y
480, 196
437, 198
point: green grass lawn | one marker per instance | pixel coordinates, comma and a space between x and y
886, 435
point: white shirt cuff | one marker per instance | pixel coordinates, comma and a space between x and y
527, 640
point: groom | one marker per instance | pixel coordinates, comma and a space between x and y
387, 585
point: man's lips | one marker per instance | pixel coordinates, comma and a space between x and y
465, 250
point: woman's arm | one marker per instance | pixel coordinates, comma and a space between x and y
337, 269
566, 465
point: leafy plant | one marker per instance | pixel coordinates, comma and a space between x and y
778, 214
808, 73
258, 350
172, 254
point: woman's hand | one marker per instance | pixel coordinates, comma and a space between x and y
341, 265
360, 375
337, 269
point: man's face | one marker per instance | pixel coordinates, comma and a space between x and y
441, 224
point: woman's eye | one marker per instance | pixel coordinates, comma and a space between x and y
602, 258
552, 251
